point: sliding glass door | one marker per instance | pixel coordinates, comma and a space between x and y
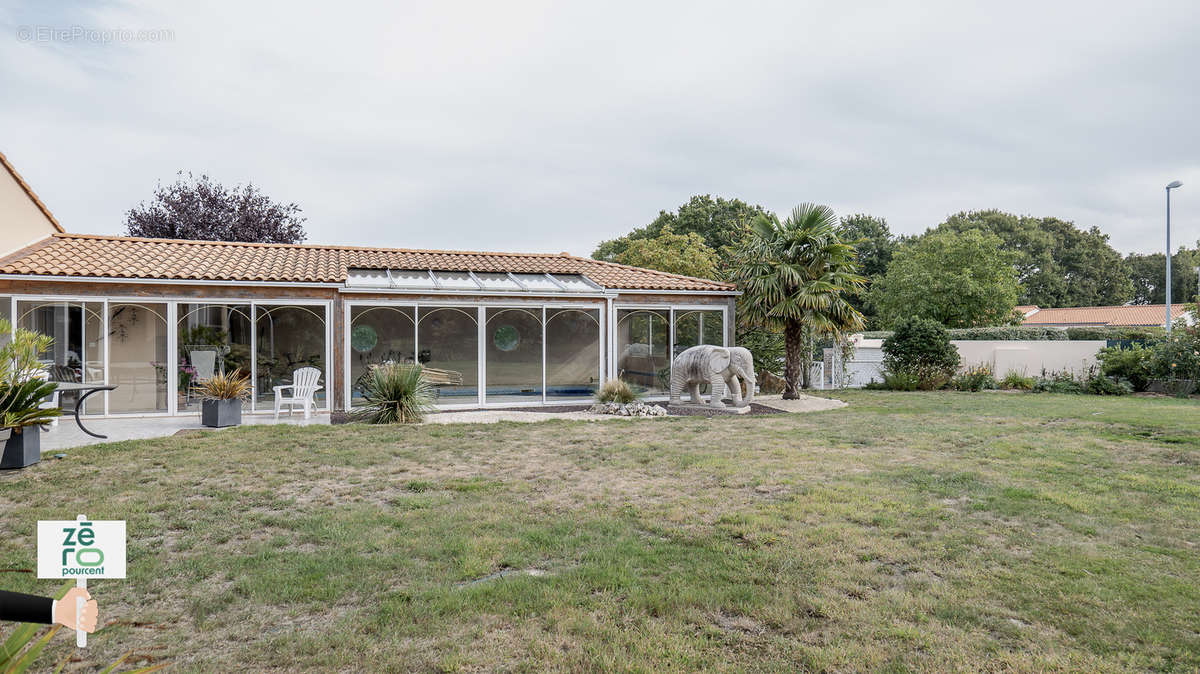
137, 357
213, 339
77, 354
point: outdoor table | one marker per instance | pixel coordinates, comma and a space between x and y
88, 389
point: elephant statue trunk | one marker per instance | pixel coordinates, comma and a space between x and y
724, 369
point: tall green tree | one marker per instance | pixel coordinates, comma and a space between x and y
1148, 274
874, 244
675, 253
795, 276
1058, 264
961, 280
722, 223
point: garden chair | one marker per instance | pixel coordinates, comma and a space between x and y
303, 387
51, 401
204, 361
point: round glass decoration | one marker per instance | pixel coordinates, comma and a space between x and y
506, 338
363, 338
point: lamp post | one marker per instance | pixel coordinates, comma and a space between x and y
1174, 184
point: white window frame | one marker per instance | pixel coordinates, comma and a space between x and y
481, 364
173, 339
671, 308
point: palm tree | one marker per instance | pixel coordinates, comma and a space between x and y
795, 275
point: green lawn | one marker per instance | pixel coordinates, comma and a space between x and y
923, 531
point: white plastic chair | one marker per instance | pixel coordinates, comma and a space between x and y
304, 387
204, 361
51, 401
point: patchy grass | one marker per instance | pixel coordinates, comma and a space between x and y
926, 531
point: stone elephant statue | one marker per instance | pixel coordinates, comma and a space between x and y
724, 369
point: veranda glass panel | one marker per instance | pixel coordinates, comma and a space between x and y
6, 314
694, 327
213, 339
378, 335
289, 338
572, 353
643, 349
448, 346
513, 355
77, 355
712, 327
137, 357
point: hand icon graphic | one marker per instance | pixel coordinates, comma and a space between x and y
64, 610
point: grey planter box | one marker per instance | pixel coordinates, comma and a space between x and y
23, 449
221, 413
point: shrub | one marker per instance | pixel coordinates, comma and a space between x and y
1057, 382
1132, 364
616, 391
1101, 385
222, 386
895, 381
979, 378
1177, 358
1016, 380
1035, 333
1117, 333
766, 347
396, 393
1041, 333
921, 347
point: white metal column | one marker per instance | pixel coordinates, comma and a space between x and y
481, 314
253, 356
103, 336
172, 363
346, 356
543, 354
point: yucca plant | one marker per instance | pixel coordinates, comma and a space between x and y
223, 386
21, 649
396, 393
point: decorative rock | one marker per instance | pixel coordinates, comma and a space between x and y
633, 409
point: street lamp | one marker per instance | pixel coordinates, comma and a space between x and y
1174, 184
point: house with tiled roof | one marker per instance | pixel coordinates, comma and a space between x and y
155, 316
1129, 315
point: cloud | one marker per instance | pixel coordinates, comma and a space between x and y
550, 126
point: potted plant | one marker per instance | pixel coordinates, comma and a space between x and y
221, 398
23, 388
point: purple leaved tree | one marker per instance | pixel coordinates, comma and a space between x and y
201, 209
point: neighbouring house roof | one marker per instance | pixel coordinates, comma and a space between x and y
1026, 309
29, 191
1128, 315
89, 255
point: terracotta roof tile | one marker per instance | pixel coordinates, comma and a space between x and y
129, 257
1131, 315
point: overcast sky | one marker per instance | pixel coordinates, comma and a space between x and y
541, 127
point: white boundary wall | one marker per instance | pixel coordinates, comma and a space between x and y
1027, 357
1031, 358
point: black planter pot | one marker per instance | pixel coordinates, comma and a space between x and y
220, 413
22, 449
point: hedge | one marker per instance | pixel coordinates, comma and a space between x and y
1039, 333
1137, 334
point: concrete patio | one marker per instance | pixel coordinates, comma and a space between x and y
67, 433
